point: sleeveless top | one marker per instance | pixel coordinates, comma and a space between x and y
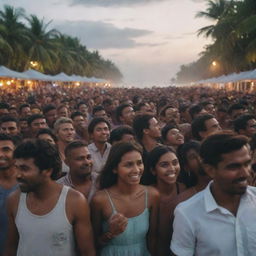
131, 242
45, 235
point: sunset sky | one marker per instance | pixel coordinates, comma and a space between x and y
147, 39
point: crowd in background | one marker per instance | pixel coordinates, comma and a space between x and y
132, 154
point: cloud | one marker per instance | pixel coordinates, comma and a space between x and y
116, 3
120, 3
102, 35
189, 34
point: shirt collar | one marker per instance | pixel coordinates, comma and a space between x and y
69, 180
94, 148
209, 201
211, 204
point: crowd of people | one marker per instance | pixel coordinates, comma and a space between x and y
127, 172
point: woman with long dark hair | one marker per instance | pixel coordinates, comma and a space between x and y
124, 212
162, 171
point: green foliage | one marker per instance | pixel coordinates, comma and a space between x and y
52, 51
234, 40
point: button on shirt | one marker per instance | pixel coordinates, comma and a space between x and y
202, 227
99, 160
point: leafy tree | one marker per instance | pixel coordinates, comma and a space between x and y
14, 33
234, 37
47, 49
41, 47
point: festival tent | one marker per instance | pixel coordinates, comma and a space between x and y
32, 74
76, 78
96, 80
62, 77
247, 75
8, 73
234, 77
227, 78
35, 75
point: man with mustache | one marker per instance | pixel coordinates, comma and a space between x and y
8, 182
45, 218
220, 220
79, 161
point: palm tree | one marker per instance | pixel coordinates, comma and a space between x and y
216, 10
49, 50
246, 28
5, 48
42, 47
14, 36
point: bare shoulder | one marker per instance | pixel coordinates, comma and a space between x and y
75, 197
15, 195
152, 191
76, 205
99, 198
13, 201
153, 195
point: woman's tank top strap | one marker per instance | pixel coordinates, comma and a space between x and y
146, 197
111, 202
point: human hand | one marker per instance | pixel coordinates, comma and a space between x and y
117, 224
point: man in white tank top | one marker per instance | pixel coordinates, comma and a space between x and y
46, 218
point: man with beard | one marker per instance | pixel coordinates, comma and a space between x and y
46, 218
226, 206
8, 182
79, 161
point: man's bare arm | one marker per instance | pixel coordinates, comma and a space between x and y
12, 235
82, 225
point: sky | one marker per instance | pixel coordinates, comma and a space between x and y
147, 39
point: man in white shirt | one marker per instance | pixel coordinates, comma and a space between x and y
221, 219
99, 131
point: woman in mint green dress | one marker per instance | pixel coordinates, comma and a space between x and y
124, 212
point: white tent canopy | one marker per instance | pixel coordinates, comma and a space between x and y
35, 75
6, 72
61, 77
234, 77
